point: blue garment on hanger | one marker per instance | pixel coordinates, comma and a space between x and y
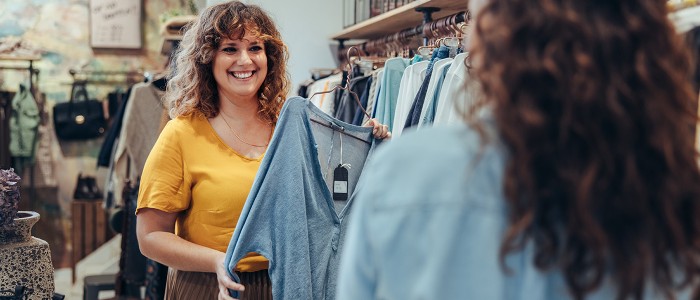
290, 216
385, 106
429, 116
417, 107
359, 114
416, 58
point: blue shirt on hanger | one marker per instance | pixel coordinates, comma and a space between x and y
291, 216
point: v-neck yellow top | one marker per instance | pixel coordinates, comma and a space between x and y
191, 171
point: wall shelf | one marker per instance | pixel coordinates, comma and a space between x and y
400, 18
19, 58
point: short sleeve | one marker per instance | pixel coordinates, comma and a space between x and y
165, 184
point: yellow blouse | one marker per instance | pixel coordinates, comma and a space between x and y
191, 171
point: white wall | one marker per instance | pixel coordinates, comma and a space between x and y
306, 26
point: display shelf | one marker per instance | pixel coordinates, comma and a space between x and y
19, 58
171, 31
399, 19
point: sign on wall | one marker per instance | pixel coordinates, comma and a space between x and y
115, 24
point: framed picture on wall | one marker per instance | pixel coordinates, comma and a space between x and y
115, 24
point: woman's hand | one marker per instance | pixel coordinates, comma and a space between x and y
380, 130
225, 283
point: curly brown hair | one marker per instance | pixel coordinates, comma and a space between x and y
593, 101
192, 87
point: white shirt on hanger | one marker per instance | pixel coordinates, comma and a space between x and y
456, 96
410, 84
438, 70
326, 102
373, 93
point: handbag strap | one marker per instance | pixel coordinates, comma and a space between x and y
78, 93
78, 90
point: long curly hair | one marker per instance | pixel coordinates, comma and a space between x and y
192, 87
593, 101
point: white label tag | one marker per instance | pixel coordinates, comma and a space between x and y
340, 187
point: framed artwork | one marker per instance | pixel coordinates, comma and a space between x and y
115, 24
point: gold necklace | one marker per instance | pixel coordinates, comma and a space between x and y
223, 116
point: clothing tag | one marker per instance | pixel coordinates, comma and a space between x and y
340, 183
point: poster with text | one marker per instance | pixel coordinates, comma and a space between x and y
115, 24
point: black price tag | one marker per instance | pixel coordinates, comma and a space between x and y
340, 183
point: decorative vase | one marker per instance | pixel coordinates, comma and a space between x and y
26, 260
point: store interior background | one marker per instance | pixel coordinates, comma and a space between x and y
60, 30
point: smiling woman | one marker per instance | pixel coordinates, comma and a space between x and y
224, 98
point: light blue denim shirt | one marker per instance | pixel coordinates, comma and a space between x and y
385, 106
429, 116
432, 224
290, 216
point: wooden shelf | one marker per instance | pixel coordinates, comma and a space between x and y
19, 58
399, 19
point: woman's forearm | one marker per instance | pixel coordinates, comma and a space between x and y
157, 241
175, 252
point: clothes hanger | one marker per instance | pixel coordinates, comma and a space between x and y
333, 125
338, 128
347, 82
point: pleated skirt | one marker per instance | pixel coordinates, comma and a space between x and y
183, 285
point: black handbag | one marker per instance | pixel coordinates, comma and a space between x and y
80, 118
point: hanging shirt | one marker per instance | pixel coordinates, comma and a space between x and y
140, 130
24, 122
373, 93
391, 83
106, 150
348, 106
290, 216
414, 114
459, 91
364, 100
436, 81
416, 58
410, 84
326, 101
191, 171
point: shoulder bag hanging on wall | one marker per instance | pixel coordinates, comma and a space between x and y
80, 118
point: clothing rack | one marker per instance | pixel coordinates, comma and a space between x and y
106, 77
32, 74
428, 30
30, 68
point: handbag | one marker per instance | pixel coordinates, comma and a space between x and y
80, 118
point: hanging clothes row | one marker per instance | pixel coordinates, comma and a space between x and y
341, 103
134, 131
21, 113
406, 93
136, 125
